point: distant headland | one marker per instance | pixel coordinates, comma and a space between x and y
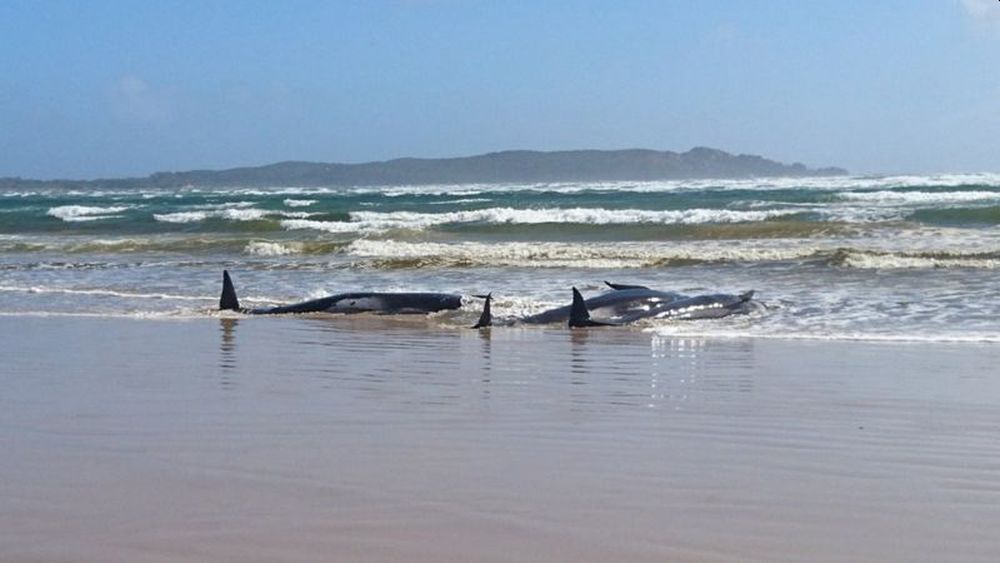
519, 166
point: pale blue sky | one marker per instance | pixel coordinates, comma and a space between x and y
117, 88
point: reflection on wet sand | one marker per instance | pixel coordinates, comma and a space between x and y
518, 444
486, 338
395, 357
227, 348
682, 367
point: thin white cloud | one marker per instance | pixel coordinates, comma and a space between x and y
133, 100
984, 10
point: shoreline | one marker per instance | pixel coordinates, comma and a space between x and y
305, 438
379, 322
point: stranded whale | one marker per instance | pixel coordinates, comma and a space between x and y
355, 302
622, 300
626, 304
712, 306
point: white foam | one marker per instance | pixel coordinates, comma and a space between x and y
299, 202
376, 220
818, 183
461, 200
699, 330
137, 315
886, 261
102, 292
230, 214
248, 214
850, 253
181, 216
920, 197
264, 248
225, 205
78, 213
593, 255
327, 226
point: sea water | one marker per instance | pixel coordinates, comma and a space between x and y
851, 257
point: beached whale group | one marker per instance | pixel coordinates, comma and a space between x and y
620, 305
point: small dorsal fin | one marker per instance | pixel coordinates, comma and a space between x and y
621, 286
486, 318
228, 300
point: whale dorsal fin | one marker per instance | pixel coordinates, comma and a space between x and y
228, 300
579, 316
578, 313
621, 286
486, 318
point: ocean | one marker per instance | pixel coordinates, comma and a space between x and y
854, 257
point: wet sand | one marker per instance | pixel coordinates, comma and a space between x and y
373, 439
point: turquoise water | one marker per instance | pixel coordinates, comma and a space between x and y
911, 257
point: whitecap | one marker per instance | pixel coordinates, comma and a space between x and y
327, 226
559, 255
231, 214
78, 213
920, 197
265, 248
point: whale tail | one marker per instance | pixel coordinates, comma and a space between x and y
228, 300
486, 318
579, 316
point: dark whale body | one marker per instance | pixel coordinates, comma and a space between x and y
354, 302
628, 301
626, 304
710, 306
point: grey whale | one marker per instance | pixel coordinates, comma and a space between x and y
354, 302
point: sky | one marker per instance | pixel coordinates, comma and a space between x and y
124, 88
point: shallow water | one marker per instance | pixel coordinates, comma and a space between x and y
381, 439
871, 258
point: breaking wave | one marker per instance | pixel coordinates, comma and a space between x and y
920, 197
391, 254
396, 254
229, 214
376, 221
873, 259
299, 202
265, 248
81, 213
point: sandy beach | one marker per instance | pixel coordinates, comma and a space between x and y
379, 439
242, 246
